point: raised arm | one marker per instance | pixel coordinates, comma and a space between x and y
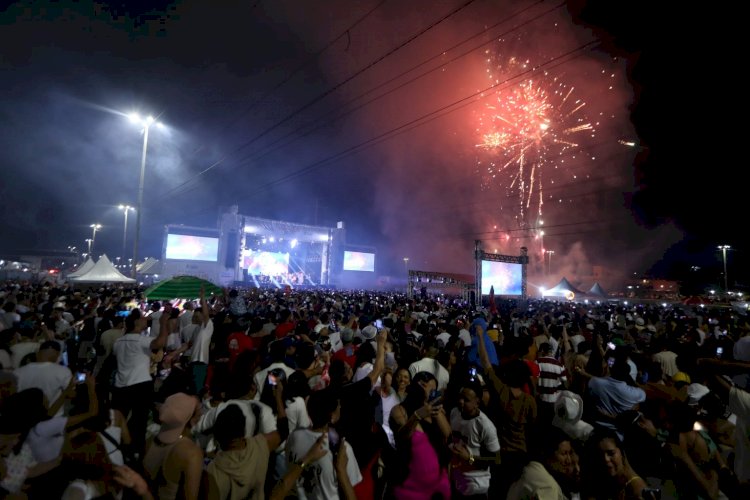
164, 327
379, 365
293, 473
204, 306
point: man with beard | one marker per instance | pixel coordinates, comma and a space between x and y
553, 475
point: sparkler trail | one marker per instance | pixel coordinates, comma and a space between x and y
525, 130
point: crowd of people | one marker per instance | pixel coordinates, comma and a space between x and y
327, 394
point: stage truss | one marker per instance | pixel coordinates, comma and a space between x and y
480, 255
430, 280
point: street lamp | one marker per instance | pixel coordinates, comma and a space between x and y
146, 123
95, 228
724, 249
125, 209
90, 242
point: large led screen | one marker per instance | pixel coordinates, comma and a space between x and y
184, 247
506, 278
266, 263
359, 261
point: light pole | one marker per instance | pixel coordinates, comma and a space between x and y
406, 264
146, 124
125, 209
90, 242
724, 249
94, 227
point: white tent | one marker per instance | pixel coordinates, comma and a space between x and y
103, 272
562, 289
86, 267
597, 291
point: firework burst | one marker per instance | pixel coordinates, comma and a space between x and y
525, 129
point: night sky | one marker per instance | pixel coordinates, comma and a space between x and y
368, 112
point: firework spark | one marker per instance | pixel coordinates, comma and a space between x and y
525, 129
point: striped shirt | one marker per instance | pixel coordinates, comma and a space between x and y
552, 376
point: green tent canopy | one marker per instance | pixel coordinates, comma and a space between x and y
182, 287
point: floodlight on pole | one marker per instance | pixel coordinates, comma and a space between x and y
724, 249
146, 123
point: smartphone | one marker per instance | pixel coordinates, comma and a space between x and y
434, 394
272, 379
611, 346
473, 372
611, 362
379, 324
80, 377
719, 351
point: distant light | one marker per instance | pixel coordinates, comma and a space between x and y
626, 302
712, 292
702, 306
586, 301
598, 301
293, 243
271, 239
664, 304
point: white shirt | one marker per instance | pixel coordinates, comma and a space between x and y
739, 404
186, 318
188, 333
252, 427
260, 377
296, 414
155, 326
318, 480
464, 335
444, 337
46, 439
133, 353
478, 433
21, 350
202, 343
432, 366
52, 379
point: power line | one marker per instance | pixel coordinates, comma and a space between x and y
302, 66
331, 90
404, 84
424, 119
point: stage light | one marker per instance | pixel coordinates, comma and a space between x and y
293, 243
272, 239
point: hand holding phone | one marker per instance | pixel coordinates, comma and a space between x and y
272, 379
80, 377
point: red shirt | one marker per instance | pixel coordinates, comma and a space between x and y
237, 343
535, 372
284, 328
348, 354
